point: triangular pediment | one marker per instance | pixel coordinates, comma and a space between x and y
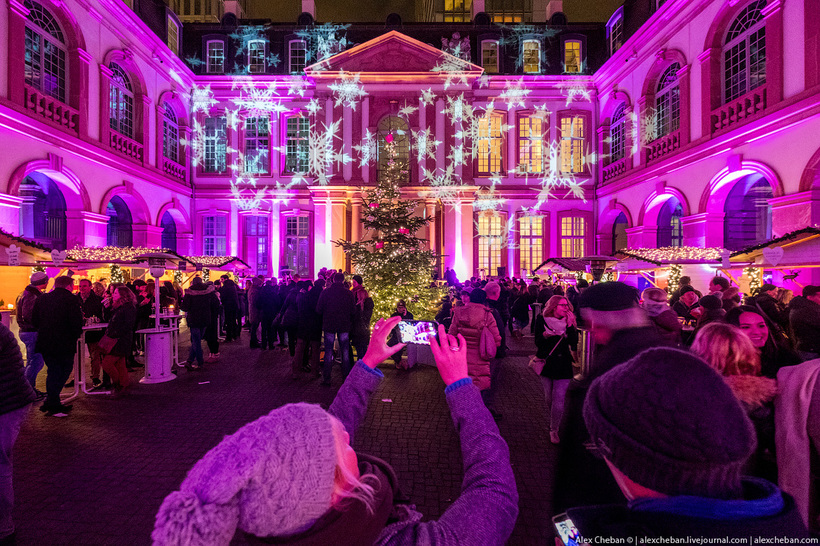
392, 53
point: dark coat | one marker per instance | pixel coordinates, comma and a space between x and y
121, 327
521, 308
290, 310
15, 391
668, 326
362, 316
310, 322
336, 305
686, 312
201, 304
771, 307
25, 308
268, 301
92, 307
559, 363
804, 318
582, 476
59, 321
228, 295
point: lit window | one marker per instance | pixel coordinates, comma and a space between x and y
173, 35
744, 55
256, 57
509, 11
455, 11
396, 165
573, 143
214, 236
531, 57
572, 57
121, 102
617, 134
257, 138
615, 31
45, 53
216, 57
298, 144
670, 229
573, 236
491, 235
170, 133
297, 244
490, 144
215, 137
297, 56
256, 241
531, 131
489, 57
667, 102
530, 243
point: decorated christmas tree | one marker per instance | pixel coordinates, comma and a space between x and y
394, 263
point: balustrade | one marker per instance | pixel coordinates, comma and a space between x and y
173, 169
125, 145
51, 109
740, 109
615, 169
663, 146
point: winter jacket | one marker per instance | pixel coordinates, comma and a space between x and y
668, 326
362, 316
310, 322
25, 308
290, 310
200, 304
254, 312
58, 318
556, 350
336, 307
498, 311
756, 395
121, 327
804, 319
469, 321
521, 308
228, 295
771, 307
268, 301
92, 307
765, 511
683, 311
15, 391
487, 508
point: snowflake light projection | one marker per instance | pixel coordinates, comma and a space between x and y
368, 150
255, 100
428, 96
322, 42
243, 37
454, 69
298, 86
515, 93
323, 156
649, 127
514, 37
202, 99
347, 90
457, 46
424, 144
576, 92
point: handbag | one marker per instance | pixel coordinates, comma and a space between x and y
537, 364
106, 344
486, 343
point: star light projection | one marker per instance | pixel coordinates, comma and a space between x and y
323, 156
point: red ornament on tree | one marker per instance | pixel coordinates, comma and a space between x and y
389, 138
379, 244
404, 230
374, 205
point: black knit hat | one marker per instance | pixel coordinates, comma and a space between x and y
609, 296
687, 288
669, 422
711, 302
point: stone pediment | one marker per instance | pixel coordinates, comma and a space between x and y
392, 53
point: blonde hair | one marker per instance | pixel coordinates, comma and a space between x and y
347, 487
552, 303
784, 295
727, 349
655, 294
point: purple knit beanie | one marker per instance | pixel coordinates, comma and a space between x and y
669, 422
272, 477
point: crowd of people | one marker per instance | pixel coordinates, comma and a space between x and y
689, 410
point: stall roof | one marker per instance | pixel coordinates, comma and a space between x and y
674, 255
217, 262
131, 256
570, 264
35, 251
749, 254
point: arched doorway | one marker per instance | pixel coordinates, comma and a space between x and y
748, 215
670, 230
43, 211
394, 130
119, 223
169, 232
619, 238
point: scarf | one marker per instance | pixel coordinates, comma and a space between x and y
556, 326
654, 308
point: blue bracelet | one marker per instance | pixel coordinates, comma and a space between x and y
453, 386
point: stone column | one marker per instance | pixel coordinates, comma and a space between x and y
28, 195
337, 232
709, 76
703, 230
86, 228
441, 152
105, 108
147, 236
10, 207
356, 227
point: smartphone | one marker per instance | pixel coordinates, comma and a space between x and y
416, 331
567, 531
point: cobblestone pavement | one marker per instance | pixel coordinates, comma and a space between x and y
99, 476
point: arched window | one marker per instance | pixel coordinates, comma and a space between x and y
619, 239
744, 52
119, 223
170, 133
169, 232
748, 215
43, 211
667, 102
121, 101
393, 129
617, 134
670, 230
45, 56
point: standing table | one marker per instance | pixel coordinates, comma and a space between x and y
79, 364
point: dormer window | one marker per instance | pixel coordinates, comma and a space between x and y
489, 56
572, 57
297, 56
216, 57
615, 31
256, 57
531, 56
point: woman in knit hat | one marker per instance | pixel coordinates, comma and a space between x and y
655, 302
291, 477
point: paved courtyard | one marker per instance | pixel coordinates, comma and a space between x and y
99, 476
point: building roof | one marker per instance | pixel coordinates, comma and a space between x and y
674, 255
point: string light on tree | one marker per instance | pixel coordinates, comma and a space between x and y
674, 278
753, 274
116, 274
394, 264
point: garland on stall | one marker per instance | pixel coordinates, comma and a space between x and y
116, 274
753, 274
674, 279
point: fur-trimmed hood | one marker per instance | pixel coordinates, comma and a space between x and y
752, 390
204, 291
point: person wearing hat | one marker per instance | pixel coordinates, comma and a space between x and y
292, 477
620, 329
804, 319
712, 307
27, 330
766, 299
687, 307
675, 439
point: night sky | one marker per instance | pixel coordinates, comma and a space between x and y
359, 11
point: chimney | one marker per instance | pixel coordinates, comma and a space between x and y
309, 6
233, 6
553, 7
478, 7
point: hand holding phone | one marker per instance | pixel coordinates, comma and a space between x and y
416, 331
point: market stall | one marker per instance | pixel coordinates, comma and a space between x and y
791, 261
663, 267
